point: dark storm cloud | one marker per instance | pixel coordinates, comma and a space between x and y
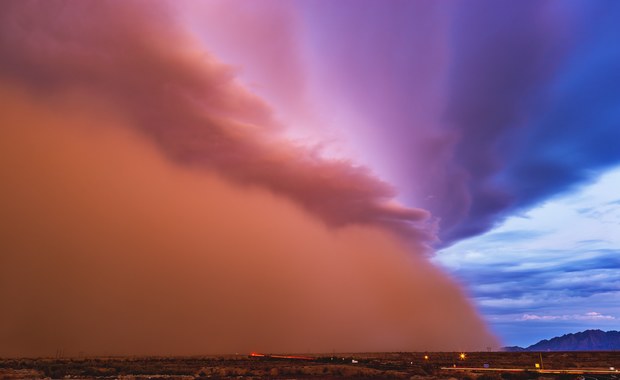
534, 99
478, 109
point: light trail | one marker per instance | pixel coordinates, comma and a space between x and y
295, 357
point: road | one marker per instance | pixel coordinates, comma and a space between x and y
582, 371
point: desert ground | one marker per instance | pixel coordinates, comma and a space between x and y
403, 365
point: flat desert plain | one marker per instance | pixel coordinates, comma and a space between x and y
403, 365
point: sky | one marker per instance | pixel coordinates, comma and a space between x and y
219, 176
566, 278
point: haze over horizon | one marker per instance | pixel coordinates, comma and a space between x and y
185, 177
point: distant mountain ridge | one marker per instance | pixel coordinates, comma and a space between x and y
589, 340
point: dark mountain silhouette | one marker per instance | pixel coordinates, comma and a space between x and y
514, 349
589, 340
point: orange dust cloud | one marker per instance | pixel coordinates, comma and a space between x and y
108, 247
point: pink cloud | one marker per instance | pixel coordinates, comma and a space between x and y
136, 61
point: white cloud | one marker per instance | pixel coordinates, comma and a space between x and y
534, 317
595, 315
592, 315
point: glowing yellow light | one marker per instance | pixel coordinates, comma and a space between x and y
537, 365
462, 356
425, 357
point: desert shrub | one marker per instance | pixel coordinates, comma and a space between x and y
428, 368
488, 376
55, 371
519, 375
223, 372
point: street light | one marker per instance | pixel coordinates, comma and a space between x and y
462, 356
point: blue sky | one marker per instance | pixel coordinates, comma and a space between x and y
550, 270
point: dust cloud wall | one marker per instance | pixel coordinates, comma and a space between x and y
108, 248
149, 205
